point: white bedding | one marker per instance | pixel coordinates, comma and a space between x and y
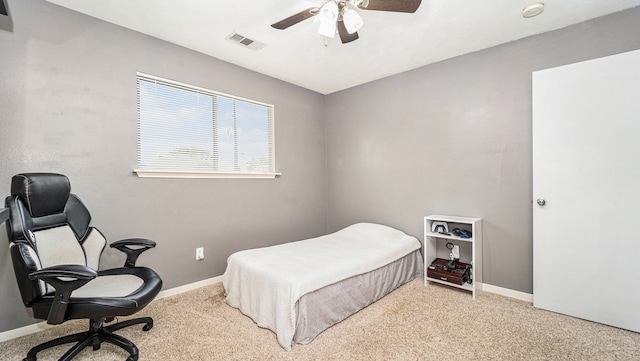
266, 283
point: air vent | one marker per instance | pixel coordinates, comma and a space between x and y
245, 42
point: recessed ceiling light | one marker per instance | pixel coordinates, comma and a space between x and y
532, 10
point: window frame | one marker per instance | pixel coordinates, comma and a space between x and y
150, 173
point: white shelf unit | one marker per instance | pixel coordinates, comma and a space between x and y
470, 248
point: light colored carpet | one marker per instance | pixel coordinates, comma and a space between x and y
412, 323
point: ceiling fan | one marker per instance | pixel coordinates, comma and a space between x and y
341, 15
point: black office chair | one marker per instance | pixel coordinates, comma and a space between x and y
55, 255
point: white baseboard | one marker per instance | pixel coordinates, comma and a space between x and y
191, 286
41, 326
522, 296
24, 331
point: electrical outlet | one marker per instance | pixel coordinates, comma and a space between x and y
456, 252
199, 253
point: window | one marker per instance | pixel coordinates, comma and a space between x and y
186, 131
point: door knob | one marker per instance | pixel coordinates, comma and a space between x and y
541, 202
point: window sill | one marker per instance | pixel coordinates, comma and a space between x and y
181, 174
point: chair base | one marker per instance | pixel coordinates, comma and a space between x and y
97, 334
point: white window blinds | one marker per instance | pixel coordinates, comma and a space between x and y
183, 128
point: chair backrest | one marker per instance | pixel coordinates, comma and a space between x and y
48, 226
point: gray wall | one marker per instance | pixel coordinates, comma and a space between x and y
455, 138
68, 105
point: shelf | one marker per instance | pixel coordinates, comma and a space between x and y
464, 286
470, 248
452, 219
444, 236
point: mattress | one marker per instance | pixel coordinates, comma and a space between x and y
267, 283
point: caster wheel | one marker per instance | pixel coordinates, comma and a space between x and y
147, 327
29, 358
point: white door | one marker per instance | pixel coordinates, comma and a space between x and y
586, 171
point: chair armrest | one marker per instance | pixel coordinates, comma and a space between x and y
65, 279
71, 271
125, 245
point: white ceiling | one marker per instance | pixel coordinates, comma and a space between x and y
389, 43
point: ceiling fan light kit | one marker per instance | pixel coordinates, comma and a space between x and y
327, 19
352, 20
341, 16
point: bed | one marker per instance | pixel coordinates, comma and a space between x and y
299, 289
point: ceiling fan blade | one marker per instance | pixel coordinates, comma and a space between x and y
345, 37
296, 18
401, 6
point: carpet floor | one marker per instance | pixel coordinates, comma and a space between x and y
412, 323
